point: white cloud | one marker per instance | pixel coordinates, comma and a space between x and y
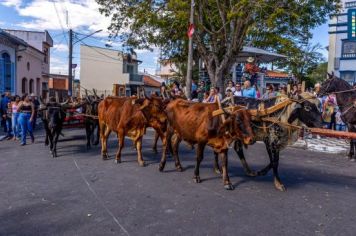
60, 47
58, 66
11, 3
83, 15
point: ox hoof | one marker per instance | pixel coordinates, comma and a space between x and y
117, 161
154, 150
161, 166
353, 159
280, 187
197, 179
217, 171
105, 156
179, 168
229, 186
142, 163
252, 174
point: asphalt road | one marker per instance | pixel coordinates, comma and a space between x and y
80, 194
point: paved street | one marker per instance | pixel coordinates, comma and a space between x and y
79, 194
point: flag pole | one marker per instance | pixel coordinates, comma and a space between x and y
190, 52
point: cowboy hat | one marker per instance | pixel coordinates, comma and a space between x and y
250, 59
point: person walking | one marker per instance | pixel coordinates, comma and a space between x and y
340, 125
5, 101
27, 112
36, 103
15, 117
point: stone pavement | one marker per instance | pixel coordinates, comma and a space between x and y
324, 144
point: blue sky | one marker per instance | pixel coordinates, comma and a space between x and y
85, 18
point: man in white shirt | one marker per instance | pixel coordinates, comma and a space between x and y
238, 90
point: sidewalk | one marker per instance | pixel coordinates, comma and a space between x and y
327, 145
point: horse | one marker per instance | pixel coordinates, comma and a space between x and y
346, 100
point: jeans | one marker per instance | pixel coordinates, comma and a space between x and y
8, 129
24, 120
327, 125
340, 127
15, 124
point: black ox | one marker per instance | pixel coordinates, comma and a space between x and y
277, 135
53, 116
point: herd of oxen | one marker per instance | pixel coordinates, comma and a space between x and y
175, 120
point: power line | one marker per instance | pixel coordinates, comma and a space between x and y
59, 20
65, 10
93, 48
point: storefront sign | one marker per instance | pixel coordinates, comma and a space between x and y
352, 24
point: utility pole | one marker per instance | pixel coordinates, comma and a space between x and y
70, 79
190, 53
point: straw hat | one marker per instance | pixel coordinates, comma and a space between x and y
33, 95
250, 59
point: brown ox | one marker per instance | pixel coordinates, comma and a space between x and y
130, 117
195, 124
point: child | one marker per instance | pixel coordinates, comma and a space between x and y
340, 125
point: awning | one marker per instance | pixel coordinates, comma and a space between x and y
261, 55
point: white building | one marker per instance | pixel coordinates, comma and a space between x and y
32, 62
102, 68
342, 42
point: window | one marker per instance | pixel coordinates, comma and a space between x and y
46, 55
350, 4
31, 86
349, 76
24, 86
28, 66
349, 49
7, 72
130, 69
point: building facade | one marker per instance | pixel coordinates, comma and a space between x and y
102, 68
342, 42
9, 47
33, 62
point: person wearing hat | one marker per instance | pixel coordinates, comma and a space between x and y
252, 69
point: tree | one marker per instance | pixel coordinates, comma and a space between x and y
318, 74
221, 26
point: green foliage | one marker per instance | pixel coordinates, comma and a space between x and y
222, 27
318, 74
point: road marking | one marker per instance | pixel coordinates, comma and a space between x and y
98, 199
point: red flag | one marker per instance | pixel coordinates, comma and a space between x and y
191, 30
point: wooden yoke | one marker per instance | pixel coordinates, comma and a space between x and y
220, 109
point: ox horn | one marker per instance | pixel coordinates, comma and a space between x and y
64, 103
95, 94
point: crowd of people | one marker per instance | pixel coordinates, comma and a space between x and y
331, 113
18, 116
